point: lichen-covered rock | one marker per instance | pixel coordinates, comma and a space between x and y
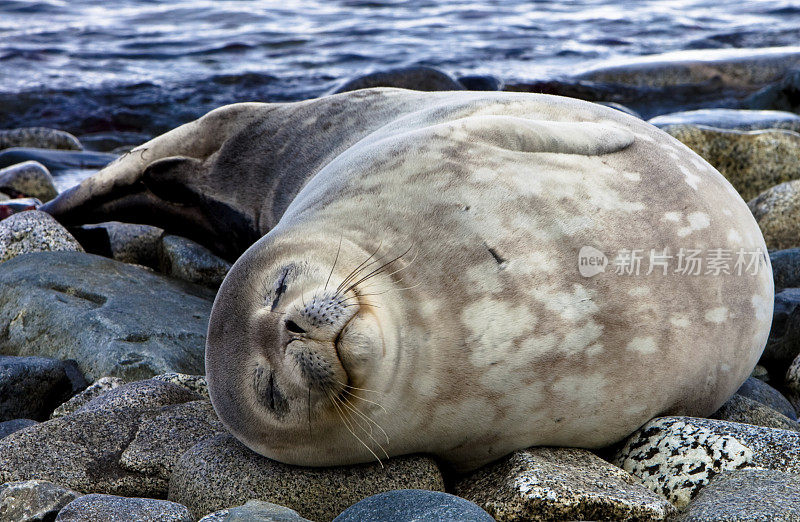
732, 119
414, 504
193, 383
38, 137
255, 511
10, 426
783, 344
753, 161
149, 394
32, 387
118, 509
97, 388
416, 78
785, 268
114, 319
34, 231
124, 242
30, 500
220, 472
743, 409
777, 211
560, 484
747, 495
184, 259
677, 456
28, 179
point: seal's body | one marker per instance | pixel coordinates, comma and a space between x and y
462, 274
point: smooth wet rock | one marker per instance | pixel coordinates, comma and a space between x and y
731, 119
220, 472
9, 206
34, 231
747, 495
123, 321
783, 343
414, 504
783, 95
32, 387
678, 456
87, 450
416, 78
742, 409
777, 211
762, 392
255, 511
184, 259
481, 82
56, 160
10, 426
28, 179
560, 484
785, 268
30, 500
39, 137
94, 390
753, 161
110, 508
124, 242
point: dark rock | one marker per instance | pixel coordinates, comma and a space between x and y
255, 511
32, 387
9, 427
621, 108
38, 137
112, 508
122, 321
112, 141
785, 268
125, 242
783, 344
481, 82
28, 179
560, 484
220, 472
762, 392
414, 504
9, 207
30, 500
34, 231
784, 95
746, 495
416, 78
731, 119
742, 409
56, 160
184, 259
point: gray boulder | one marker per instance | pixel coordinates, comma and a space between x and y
32, 387
30, 500
38, 137
220, 472
743, 409
785, 268
34, 231
414, 504
783, 344
193, 383
10, 426
121, 321
28, 179
125, 242
97, 388
418, 78
255, 511
560, 484
110, 508
184, 259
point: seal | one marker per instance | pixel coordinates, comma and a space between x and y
458, 273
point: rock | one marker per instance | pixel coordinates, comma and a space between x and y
10, 206
255, 511
414, 504
32, 387
560, 484
753, 161
56, 160
125, 242
785, 268
220, 472
621, 108
481, 82
760, 373
29, 500
784, 95
747, 494
193, 383
89, 450
731, 119
97, 388
792, 381
123, 321
777, 211
417, 78
112, 141
762, 392
38, 137
186, 260
29, 179
742, 409
783, 343
10, 426
34, 231
677, 456
121, 509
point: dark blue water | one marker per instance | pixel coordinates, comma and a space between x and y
142, 66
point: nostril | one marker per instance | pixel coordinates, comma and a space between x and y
293, 327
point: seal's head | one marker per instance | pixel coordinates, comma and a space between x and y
297, 342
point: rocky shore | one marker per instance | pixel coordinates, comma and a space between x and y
104, 412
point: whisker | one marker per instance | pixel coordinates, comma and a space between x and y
355, 270
355, 410
365, 400
349, 428
377, 270
335, 259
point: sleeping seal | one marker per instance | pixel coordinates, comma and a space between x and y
457, 273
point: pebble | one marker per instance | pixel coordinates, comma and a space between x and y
765, 394
782, 95
184, 259
124, 242
742, 409
34, 231
94, 390
414, 504
28, 179
255, 511
481, 82
783, 344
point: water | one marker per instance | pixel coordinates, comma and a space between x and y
142, 66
